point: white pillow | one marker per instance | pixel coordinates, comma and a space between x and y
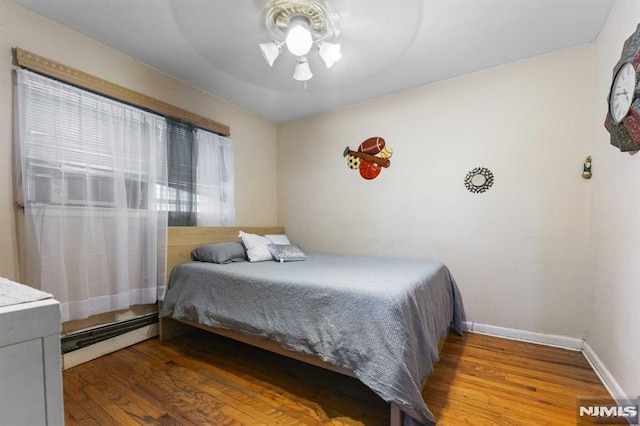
256, 245
278, 239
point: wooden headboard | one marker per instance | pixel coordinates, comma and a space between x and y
183, 239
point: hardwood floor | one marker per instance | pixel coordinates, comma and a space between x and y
201, 379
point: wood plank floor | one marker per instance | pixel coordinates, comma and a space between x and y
202, 379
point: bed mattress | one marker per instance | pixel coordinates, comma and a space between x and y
380, 318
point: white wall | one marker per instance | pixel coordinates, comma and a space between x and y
519, 251
613, 330
254, 138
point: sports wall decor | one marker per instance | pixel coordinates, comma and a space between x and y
479, 180
623, 113
372, 155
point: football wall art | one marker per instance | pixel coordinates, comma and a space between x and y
371, 157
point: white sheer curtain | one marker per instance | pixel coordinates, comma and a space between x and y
95, 237
215, 177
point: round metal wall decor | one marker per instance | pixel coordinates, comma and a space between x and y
479, 180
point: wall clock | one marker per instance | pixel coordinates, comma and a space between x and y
623, 112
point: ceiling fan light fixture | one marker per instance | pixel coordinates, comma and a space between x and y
270, 51
330, 53
302, 71
301, 25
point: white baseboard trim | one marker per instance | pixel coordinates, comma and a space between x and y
96, 350
607, 379
603, 373
563, 342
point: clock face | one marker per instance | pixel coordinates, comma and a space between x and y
622, 91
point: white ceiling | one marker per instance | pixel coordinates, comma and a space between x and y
387, 45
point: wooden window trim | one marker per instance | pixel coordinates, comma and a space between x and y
95, 84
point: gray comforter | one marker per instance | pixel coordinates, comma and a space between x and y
377, 317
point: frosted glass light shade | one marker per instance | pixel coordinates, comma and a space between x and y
302, 71
330, 53
270, 51
299, 40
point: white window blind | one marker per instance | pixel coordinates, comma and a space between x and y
68, 150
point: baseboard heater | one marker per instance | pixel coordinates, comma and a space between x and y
86, 338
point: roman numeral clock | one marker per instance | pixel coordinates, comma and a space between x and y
623, 116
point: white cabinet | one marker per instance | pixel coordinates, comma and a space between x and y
30, 365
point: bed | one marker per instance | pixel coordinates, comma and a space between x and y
377, 319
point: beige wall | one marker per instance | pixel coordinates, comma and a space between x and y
519, 251
254, 138
613, 331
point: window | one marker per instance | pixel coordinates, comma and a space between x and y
69, 155
215, 176
95, 237
99, 180
200, 184
182, 154
69, 158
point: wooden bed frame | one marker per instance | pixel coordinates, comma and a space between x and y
181, 241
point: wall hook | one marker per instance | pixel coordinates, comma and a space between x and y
586, 170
